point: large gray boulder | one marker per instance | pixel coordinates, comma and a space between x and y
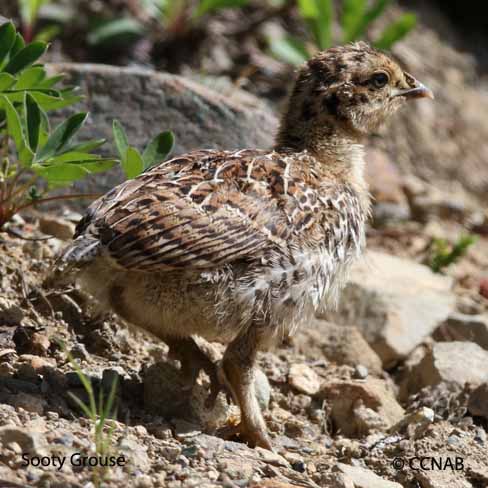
454, 363
395, 302
147, 102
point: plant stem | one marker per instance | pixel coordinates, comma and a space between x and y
58, 197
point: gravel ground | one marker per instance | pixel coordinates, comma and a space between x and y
335, 415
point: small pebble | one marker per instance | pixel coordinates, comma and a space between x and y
480, 436
361, 372
453, 440
299, 466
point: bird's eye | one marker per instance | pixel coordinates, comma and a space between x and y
379, 80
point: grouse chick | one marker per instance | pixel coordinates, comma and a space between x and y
242, 247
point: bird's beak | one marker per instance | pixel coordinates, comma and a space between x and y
419, 90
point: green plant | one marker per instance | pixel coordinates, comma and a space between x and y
29, 15
132, 161
115, 32
175, 16
443, 254
355, 19
99, 414
34, 158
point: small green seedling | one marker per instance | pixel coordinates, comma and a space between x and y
444, 254
99, 414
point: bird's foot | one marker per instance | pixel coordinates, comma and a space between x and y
193, 360
252, 437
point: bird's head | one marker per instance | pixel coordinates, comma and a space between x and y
346, 91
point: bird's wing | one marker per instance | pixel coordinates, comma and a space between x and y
203, 210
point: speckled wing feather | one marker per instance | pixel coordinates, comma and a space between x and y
202, 210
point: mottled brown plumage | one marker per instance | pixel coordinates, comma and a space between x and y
242, 247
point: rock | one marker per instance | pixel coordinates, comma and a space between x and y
31, 403
166, 392
270, 457
414, 424
304, 379
429, 150
78, 351
463, 327
29, 441
185, 430
441, 479
135, 453
360, 406
428, 202
365, 478
361, 372
386, 186
139, 98
262, 389
451, 362
28, 341
337, 480
111, 376
478, 401
395, 302
484, 288
340, 344
57, 227
10, 312
30, 367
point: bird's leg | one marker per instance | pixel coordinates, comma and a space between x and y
192, 360
238, 368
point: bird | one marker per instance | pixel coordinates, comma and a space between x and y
245, 246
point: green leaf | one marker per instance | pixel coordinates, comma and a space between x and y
117, 31
289, 49
45, 128
61, 174
33, 120
48, 33
30, 77
84, 408
87, 146
6, 81
107, 410
308, 9
322, 26
61, 136
352, 14
132, 164
396, 31
73, 157
98, 166
206, 6
14, 124
120, 137
25, 57
48, 102
370, 16
7, 39
51, 81
17, 46
158, 149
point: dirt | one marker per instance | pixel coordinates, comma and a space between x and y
170, 438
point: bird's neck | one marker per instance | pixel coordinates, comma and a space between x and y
339, 153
